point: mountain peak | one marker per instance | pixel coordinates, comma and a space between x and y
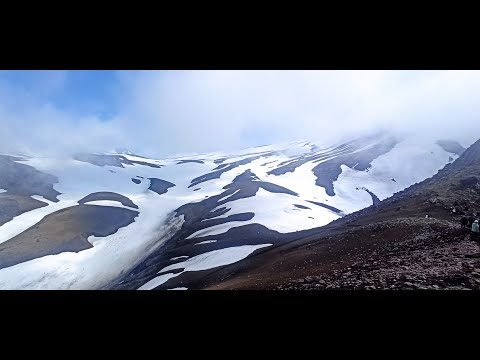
470, 156
124, 151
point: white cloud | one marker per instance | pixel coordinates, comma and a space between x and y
208, 110
164, 112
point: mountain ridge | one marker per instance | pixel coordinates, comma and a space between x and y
390, 246
197, 207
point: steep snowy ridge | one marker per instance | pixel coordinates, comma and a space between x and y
187, 210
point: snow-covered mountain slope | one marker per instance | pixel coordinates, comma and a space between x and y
120, 220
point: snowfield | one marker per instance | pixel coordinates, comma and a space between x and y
277, 212
411, 160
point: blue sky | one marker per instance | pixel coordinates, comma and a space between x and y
167, 112
81, 92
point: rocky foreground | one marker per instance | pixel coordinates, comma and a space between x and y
427, 261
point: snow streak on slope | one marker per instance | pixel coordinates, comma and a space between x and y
206, 242
107, 203
208, 260
179, 257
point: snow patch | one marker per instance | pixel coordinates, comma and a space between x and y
276, 211
108, 203
209, 260
410, 161
179, 257
216, 229
226, 197
215, 258
157, 281
206, 242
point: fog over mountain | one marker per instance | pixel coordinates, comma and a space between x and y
159, 113
179, 179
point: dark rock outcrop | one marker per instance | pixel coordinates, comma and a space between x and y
190, 161
159, 186
108, 196
66, 230
451, 147
110, 160
24, 180
14, 205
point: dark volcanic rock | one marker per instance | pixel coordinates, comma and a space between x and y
219, 161
102, 160
64, 230
469, 181
312, 279
451, 147
25, 180
301, 206
218, 171
160, 186
331, 208
470, 157
374, 197
14, 205
248, 184
190, 161
136, 181
110, 160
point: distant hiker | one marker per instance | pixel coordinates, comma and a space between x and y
475, 230
463, 222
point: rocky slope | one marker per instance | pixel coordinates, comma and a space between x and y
392, 245
438, 255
